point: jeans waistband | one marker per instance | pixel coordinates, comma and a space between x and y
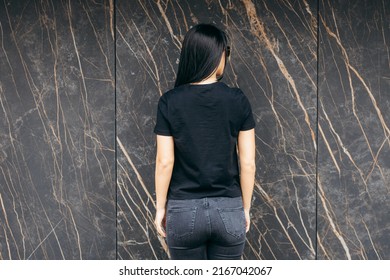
215, 202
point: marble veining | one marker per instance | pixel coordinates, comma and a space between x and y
353, 167
57, 129
275, 46
79, 86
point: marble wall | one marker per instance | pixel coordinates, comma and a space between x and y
353, 130
79, 85
57, 130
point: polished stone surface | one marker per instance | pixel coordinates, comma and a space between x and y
79, 86
57, 130
274, 61
354, 120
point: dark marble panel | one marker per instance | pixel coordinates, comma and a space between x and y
57, 129
274, 61
354, 120
57, 125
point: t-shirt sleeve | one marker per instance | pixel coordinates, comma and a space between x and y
247, 117
163, 126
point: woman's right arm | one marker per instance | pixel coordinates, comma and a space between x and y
247, 152
164, 165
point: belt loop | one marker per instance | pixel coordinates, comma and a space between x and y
206, 203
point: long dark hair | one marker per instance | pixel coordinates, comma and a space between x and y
201, 53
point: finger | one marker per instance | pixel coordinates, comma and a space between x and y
248, 225
162, 232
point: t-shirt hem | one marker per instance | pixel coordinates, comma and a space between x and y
187, 197
163, 133
247, 127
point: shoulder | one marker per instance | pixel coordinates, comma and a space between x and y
167, 94
233, 92
239, 99
230, 89
171, 93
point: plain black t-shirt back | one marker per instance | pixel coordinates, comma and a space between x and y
204, 121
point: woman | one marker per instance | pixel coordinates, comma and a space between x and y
202, 189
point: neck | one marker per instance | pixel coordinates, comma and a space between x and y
209, 80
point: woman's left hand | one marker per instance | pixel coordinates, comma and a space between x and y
247, 220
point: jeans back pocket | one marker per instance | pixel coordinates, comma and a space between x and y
181, 222
233, 220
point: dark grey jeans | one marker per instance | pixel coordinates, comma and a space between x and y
207, 228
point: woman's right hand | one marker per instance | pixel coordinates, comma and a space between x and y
160, 222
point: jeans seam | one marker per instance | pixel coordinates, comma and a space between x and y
209, 229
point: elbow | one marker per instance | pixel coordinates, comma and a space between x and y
164, 163
248, 166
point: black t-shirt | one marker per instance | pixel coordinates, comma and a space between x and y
204, 121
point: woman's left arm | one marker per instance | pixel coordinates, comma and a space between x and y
164, 165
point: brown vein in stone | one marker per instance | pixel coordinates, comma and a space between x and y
56, 130
8, 226
146, 10
38, 101
341, 143
58, 138
138, 216
313, 18
176, 41
2, 47
85, 96
124, 194
76, 231
99, 44
371, 241
361, 250
112, 11
332, 223
44, 239
292, 50
375, 163
321, 246
308, 243
149, 68
274, 207
329, 149
12, 190
258, 31
352, 69
139, 177
384, 32
146, 191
